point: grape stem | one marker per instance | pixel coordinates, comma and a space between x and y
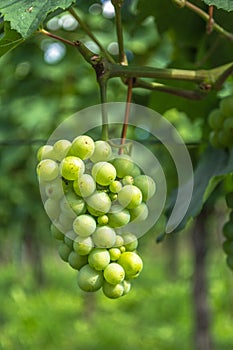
127, 112
120, 39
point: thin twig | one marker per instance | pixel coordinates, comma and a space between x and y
127, 112
120, 38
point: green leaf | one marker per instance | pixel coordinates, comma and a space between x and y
212, 168
9, 40
221, 4
26, 16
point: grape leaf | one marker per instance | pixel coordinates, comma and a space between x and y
26, 16
211, 169
226, 5
9, 40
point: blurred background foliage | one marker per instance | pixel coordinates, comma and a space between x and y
43, 82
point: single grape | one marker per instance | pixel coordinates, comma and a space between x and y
65, 221
124, 166
77, 261
102, 152
229, 199
130, 196
90, 280
82, 146
132, 264
84, 186
114, 273
115, 253
128, 180
115, 186
140, 213
99, 258
103, 173
228, 247
119, 241
52, 208
45, 152
226, 106
47, 170
64, 251
104, 237
83, 245
127, 286
214, 141
147, 186
61, 148
84, 225
113, 291
98, 203
56, 233
228, 125
215, 119
228, 230
102, 220
71, 167
54, 189
130, 241
66, 206
224, 138
118, 216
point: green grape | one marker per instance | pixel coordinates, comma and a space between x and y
127, 286
228, 230
147, 186
64, 251
102, 220
226, 106
128, 180
47, 170
229, 261
113, 196
90, 280
115, 186
84, 186
66, 208
54, 189
83, 147
119, 241
228, 125
99, 258
102, 152
140, 213
115, 253
132, 264
214, 141
114, 273
118, 216
56, 233
65, 221
69, 238
61, 148
224, 138
228, 247
215, 119
113, 291
229, 199
103, 173
83, 245
98, 203
77, 204
52, 208
71, 167
104, 237
130, 241
124, 166
84, 225
45, 152
77, 261
130, 196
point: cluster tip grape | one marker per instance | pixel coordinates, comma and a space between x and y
90, 195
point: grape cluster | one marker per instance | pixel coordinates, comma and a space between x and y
221, 123
228, 232
91, 195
